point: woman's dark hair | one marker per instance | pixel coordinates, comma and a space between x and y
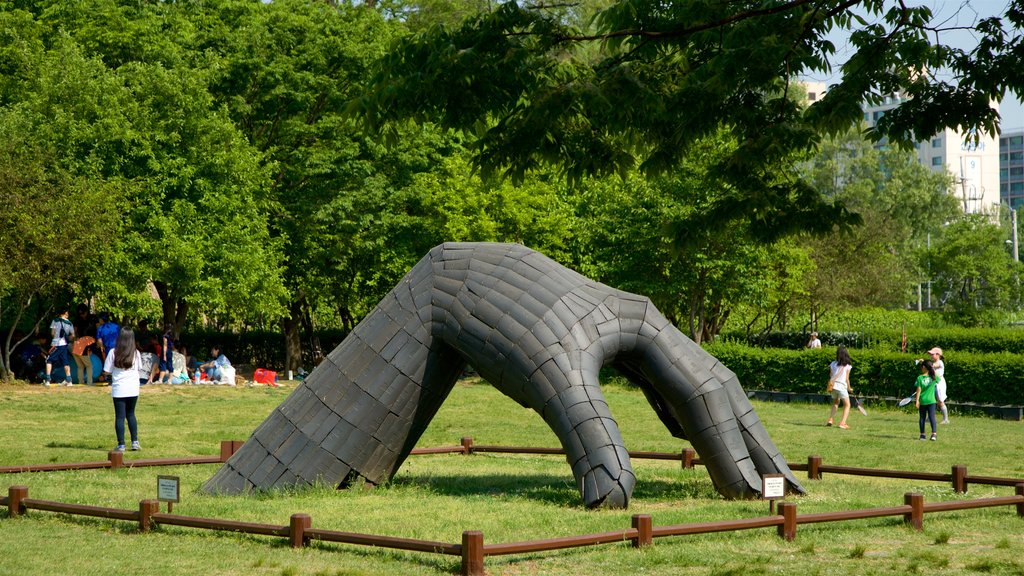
124, 350
842, 356
927, 364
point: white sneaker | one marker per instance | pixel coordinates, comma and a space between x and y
135, 445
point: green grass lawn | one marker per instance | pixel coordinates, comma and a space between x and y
508, 497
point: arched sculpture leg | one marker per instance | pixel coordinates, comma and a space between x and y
537, 331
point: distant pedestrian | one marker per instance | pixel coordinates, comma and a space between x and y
938, 362
106, 333
924, 397
839, 385
62, 332
814, 342
166, 354
122, 363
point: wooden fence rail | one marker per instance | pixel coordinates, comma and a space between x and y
473, 550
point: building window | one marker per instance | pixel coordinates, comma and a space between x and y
1016, 171
1016, 140
877, 114
936, 160
812, 96
937, 143
1016, 156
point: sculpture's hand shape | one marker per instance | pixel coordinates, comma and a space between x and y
537, 331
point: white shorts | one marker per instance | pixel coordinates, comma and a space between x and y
840, 394
940, 390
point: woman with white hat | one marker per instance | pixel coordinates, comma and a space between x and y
940, 386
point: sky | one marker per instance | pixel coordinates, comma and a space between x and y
950, 13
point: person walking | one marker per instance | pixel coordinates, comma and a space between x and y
122, 364
938, 363
62, 332
839, 386
166, 355
924, 397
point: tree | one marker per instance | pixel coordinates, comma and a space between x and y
633, 232
669, 74
194, 228
58, 213
900, 201
975, 274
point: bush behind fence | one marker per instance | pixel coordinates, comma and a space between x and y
992, 378
918, 340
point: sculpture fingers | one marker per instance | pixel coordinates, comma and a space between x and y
766, 456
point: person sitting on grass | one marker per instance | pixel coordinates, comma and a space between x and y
924, 398
839, 385
213, 367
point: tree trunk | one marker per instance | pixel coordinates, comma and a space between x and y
292, 339
310, 330
174, 309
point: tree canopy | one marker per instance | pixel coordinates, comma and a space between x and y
527, 82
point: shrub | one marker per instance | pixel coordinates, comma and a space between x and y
918, 340
991, 378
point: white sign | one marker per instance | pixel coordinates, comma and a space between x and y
773, 486
167, 488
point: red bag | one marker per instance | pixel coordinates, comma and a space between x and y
264, 376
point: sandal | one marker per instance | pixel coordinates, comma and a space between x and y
844, 426
829, 423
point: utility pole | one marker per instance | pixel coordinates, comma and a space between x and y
1013, 218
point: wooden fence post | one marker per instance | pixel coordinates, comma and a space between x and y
916, 516
787, 530
472, 553
227, 448
116, 459
236, 445
467, 445
298, 525
645, 530
960, 479
1020, 505
814, 467
15, 495
146, 510
688, 455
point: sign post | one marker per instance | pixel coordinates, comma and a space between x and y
168, 489
773, 487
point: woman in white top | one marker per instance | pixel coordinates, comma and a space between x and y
940, 386
839, 385
122, 364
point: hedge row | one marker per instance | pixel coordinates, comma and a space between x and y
990, 378
918, 340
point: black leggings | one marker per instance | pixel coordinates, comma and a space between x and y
124, 408
926, 410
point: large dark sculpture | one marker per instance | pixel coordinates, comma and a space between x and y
537, 331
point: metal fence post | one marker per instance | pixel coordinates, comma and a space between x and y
298, 525
645, 530
960, 479
472, 553
916, 516
15, 495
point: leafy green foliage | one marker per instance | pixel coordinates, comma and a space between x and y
975, 275
994, 378
527, 83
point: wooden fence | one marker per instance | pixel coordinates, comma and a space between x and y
473, 550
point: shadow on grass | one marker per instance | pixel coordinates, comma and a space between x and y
550, 489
